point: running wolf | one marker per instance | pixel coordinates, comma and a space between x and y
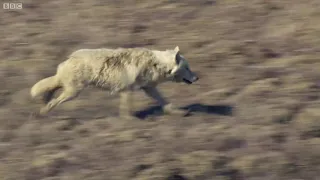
120, 70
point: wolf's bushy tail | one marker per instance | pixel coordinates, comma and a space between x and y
45, 88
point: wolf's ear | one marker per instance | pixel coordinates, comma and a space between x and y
176, 49
177, 57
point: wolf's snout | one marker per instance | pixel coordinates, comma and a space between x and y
191, 80
195, 78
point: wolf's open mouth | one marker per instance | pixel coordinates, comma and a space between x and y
187, 81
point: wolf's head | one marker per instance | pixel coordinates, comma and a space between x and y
181, 71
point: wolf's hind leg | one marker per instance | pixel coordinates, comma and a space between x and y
49, 95
166, 106
67, 95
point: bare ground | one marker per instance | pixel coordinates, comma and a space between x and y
255, 108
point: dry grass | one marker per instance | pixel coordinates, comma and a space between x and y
259, 58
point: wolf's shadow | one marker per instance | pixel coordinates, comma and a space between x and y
225, 110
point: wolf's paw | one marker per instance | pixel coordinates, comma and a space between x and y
170, 109
43, 111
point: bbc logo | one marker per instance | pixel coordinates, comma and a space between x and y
12, 5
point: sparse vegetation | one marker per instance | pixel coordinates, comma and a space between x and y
261, 57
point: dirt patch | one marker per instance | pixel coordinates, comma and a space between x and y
254, 111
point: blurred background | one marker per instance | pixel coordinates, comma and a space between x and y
257, 58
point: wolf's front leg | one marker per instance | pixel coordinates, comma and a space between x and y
166, 106
125, 105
